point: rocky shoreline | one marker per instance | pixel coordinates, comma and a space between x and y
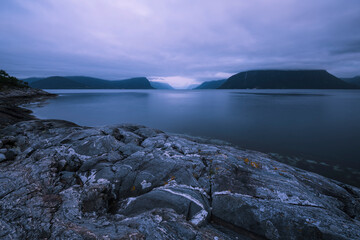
10, 99
59, 180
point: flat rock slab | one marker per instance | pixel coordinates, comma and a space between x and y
63, 181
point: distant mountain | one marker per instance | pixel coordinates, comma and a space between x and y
211, 84
354, 80
92, 83
132, 83
56, 83
285, 79
192, 86
82, 82
160, 85
32, 79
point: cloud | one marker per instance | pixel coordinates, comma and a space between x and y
189, 39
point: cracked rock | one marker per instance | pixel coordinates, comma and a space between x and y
132, 182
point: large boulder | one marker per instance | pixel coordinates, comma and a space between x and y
64, 181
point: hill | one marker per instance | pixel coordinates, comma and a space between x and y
160, 85
354, 80
211, 84
285, 79
132, 83
32, 79
83, 82
56, 83
192, 86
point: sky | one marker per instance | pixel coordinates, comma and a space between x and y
181, 42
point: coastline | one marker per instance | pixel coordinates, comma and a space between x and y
61, 180
11, 99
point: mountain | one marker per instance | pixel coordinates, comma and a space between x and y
56, 83
82, 82
160, 85
354, 80
132, 83
32, 79
285, 79
90, 82
192, 86
211, 84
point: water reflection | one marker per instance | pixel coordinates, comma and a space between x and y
322, 125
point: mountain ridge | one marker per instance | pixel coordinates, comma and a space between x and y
83, 82
354, 80
210, 84
285, 79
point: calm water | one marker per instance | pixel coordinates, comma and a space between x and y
322, 125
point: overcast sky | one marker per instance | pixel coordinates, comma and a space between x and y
178, 41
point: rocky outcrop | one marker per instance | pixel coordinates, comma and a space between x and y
11, 98
62, 181
13, 93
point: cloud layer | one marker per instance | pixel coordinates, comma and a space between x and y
174, 39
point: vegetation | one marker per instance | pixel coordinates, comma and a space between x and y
7, 81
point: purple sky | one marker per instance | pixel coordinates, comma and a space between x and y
178, 41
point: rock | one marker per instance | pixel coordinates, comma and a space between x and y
2, 157
11, 98
11, 154
133, 182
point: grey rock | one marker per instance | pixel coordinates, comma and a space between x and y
131, 182
11, 154
3, 150
2, 157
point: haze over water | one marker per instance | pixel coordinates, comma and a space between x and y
321, 125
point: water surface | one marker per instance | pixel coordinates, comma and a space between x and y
321, 125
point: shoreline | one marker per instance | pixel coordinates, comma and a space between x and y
60, 180
12, 99
11, 113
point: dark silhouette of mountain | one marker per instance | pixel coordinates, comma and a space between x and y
82, 82
132, 83
32, 79
160, 85
285, 79
354, 80
56, 83
90, 82
192, 86
211, 84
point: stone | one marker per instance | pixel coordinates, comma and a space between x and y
2, 157
11, 154
132, 182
